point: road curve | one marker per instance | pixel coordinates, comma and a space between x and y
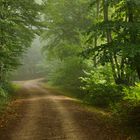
46, 115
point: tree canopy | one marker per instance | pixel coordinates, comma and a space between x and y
115, 38
19, 22
91, 47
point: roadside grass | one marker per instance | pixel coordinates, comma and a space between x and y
103, 114
15, 87
72, 94
6, 96
125, 111
4, 99
3, 104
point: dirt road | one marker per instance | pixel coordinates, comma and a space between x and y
46, 115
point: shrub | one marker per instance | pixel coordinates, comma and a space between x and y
99, 87
5, 94
104, 95
134, 118
127, 111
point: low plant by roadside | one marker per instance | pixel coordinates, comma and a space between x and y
99, 88
6, 93
127, 111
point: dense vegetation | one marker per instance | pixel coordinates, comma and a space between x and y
62, 47
19, 22
91, 47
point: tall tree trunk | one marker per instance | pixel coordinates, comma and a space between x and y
97, 11
105, 10
133, 37
96, 36
108, 36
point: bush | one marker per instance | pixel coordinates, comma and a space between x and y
127, 116
134, 118
5, 94
65, 73
127, 111
132, 93
132, 96
104, 95
6, 86
100, 90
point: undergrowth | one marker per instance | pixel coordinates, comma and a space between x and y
7, 92
122, 102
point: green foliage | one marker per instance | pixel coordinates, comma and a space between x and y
2, 93
133, 119
19, 21
99, 87
127, 111
6, 91
99, 75
127, 115
132, 93
65, 20
114, 38
6, 86
105, 32
65, 72
103, 95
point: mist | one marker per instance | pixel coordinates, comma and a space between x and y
56, 52
31, 63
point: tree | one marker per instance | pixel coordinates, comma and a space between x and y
30, 63
19, 22
64, 21
118, 39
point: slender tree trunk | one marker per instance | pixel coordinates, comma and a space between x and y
108, 36
105, 10
96, 35
98, 9
133, 36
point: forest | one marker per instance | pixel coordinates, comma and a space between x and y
89, 49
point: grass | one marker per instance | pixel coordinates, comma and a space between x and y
107, 114
15, 87
3, 104
7, 96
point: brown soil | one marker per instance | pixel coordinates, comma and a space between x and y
41, 114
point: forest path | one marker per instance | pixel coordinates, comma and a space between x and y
46, 115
